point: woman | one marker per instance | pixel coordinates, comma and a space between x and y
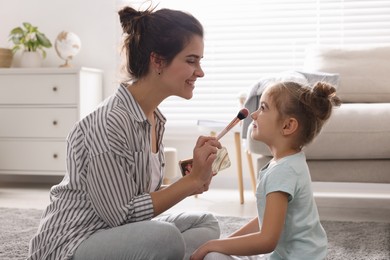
112, 188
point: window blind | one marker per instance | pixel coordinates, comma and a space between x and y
248, 39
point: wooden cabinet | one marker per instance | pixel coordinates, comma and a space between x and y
38, 108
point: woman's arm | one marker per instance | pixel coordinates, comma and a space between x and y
115, 177
195, 183
261, 242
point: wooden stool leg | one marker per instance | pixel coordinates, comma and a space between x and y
237, 140
251, 170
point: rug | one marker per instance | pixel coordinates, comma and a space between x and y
347, 240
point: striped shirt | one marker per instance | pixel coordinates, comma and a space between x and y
107, 180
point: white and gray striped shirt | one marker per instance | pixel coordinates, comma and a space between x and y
107, 179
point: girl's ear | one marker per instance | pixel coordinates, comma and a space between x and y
290, 125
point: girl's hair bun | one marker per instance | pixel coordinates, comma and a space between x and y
327, 91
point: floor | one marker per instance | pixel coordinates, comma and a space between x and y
335, 202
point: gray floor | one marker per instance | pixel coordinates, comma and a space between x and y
355, 202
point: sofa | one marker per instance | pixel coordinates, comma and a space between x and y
354, 145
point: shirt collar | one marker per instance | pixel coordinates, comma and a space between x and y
133, 107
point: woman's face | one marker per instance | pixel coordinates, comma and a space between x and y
265, 125
180, 75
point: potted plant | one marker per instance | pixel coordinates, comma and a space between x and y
33, 43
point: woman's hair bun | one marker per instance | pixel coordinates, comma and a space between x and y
128, 16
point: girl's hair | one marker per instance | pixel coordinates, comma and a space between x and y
165, 32
312, 107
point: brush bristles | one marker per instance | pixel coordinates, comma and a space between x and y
243, 113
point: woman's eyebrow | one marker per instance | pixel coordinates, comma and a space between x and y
194, 56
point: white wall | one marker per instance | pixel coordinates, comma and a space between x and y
95, 22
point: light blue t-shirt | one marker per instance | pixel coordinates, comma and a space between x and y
302, 237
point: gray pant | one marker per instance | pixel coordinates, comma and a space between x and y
167, 237
219, 256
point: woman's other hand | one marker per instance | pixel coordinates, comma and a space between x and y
196, 182
204, 155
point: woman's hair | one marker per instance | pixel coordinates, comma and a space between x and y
164, 32
311, 106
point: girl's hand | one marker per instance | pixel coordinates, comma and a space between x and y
201, 252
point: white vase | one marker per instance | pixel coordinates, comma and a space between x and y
31, 59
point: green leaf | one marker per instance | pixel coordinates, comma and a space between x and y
16, 30
15, 48
43, 53
15, 40
43, 40
27, 26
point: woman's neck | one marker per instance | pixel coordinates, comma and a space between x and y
145, 95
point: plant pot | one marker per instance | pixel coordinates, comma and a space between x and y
5, 58
31, 59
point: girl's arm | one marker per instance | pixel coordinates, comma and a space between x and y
261, 242
251, 227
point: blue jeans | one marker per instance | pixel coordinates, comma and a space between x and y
167, 237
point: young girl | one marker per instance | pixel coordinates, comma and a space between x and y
288, 225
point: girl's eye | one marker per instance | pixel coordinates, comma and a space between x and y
262, 108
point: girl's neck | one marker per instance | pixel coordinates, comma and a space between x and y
284, 153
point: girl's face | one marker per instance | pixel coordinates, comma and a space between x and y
266, 123
180, 76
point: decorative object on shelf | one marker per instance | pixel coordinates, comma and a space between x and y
31, 59
30, 40
5, 58
67, 45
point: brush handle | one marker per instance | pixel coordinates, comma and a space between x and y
228, 128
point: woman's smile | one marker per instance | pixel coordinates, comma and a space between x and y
191, 82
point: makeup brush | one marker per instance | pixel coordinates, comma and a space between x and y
240, 116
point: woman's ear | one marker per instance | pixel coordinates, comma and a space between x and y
290, 125
157, 62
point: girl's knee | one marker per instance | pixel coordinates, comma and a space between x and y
216, 256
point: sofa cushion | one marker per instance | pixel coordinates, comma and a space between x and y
366, 171
354, 131
364, 71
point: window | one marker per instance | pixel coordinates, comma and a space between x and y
247, 39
